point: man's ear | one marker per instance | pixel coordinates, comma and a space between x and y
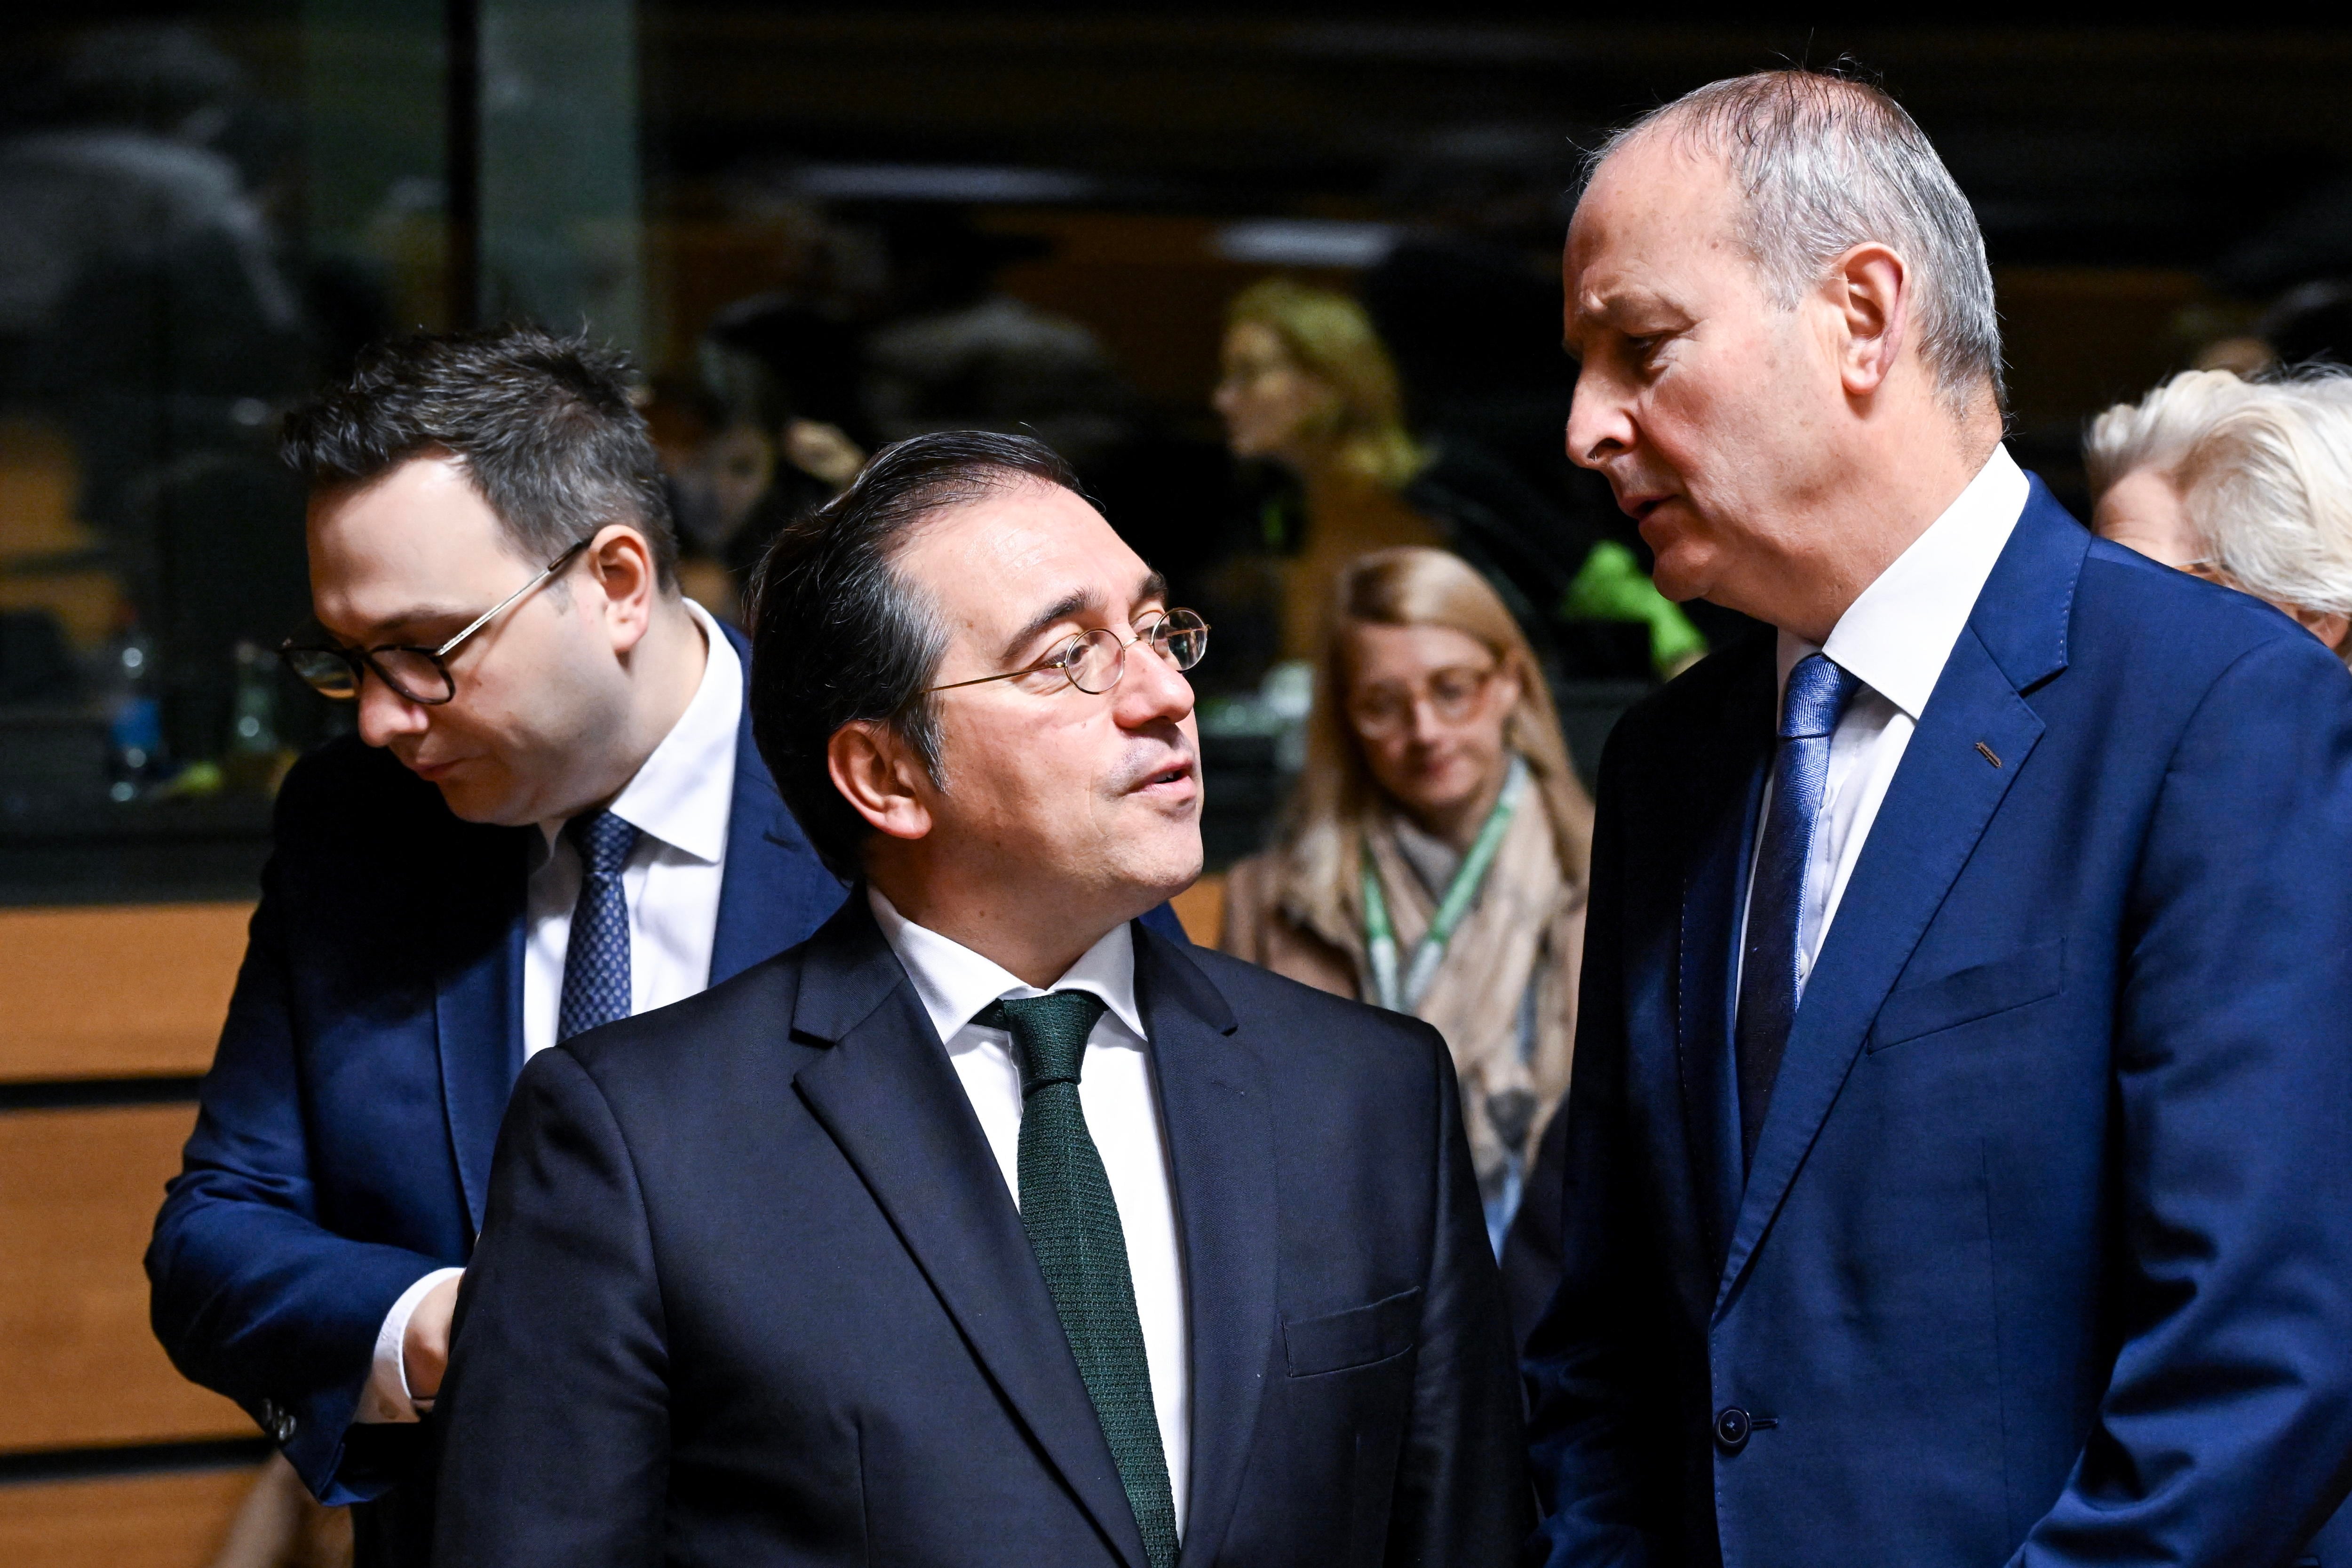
621, 562
880, 776
1870, 288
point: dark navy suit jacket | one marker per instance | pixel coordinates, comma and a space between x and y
751, 1290
2045, 1255
343, 1147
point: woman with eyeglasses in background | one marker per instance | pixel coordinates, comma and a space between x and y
1435, 857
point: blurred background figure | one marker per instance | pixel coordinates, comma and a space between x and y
956, 353
741, 463
2247, 483
1436, 854
148, 328
1309, 387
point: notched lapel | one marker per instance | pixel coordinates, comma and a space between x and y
1721, 819
1213, 1102
477, 1000
891, 1099
1943, 796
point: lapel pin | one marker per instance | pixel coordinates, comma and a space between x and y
1988, 753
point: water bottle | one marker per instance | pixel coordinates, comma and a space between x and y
255, 754
134, 718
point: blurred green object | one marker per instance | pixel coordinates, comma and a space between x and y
1612, 586
195, 782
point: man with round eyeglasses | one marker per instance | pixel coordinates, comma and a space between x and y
989, 1224
552, 817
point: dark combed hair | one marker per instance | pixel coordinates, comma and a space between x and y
543, 425
841, 637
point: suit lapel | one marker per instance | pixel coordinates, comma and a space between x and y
889, 1097
477, 997
1976, 736
774, 891
1214, 1104
1721, 816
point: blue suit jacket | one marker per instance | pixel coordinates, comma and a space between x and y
2045, 1255
342, 1150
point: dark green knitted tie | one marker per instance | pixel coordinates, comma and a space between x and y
1073, 1223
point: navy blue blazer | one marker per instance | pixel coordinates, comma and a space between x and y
342, 1150
751, 1290
2046, 1252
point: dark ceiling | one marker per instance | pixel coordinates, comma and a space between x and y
2110, 146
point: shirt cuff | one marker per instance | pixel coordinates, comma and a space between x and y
386, 1398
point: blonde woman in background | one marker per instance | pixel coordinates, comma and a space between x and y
1308, 385
2248, 483
1437, 851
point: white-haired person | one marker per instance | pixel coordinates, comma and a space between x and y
2247, 483
1435, 857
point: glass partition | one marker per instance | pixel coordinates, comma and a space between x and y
208, 208
820, 228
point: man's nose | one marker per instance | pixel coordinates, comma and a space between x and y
1600, 421
386, 715
1151, 689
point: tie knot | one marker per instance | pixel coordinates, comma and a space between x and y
1049, 1034
603, 841
1817, 693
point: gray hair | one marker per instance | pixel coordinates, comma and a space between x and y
2264, 472
1825, 163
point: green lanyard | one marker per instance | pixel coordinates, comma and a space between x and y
1380, 935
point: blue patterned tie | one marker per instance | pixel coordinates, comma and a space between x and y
596, 963
1817, 693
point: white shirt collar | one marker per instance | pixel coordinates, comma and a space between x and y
684, 792
955, 983
1897, 637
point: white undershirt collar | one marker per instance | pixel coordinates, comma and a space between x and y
954, 983
1897, 635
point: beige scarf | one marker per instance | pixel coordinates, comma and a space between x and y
1524, 928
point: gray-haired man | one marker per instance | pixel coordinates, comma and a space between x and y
1956, 1158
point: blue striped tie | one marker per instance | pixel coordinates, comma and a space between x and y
1817, 693
596, 962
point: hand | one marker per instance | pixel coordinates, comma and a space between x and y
821, 452
424, 1348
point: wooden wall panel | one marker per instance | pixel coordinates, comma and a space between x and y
77, 1195
130, 992
171, 1521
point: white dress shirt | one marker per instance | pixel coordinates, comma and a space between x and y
1895, 639
679, 800
1122, 1115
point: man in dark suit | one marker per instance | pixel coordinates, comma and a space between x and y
415, 942
988, 1226
1956, 1162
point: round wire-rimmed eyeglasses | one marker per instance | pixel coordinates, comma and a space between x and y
418, 674
1093, 660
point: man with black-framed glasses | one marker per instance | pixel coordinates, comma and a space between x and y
552, 817
987, 1226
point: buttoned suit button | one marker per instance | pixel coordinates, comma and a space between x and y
278, 1421
1732, 1425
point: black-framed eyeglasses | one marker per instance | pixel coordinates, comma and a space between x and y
418, 674
1093, 660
